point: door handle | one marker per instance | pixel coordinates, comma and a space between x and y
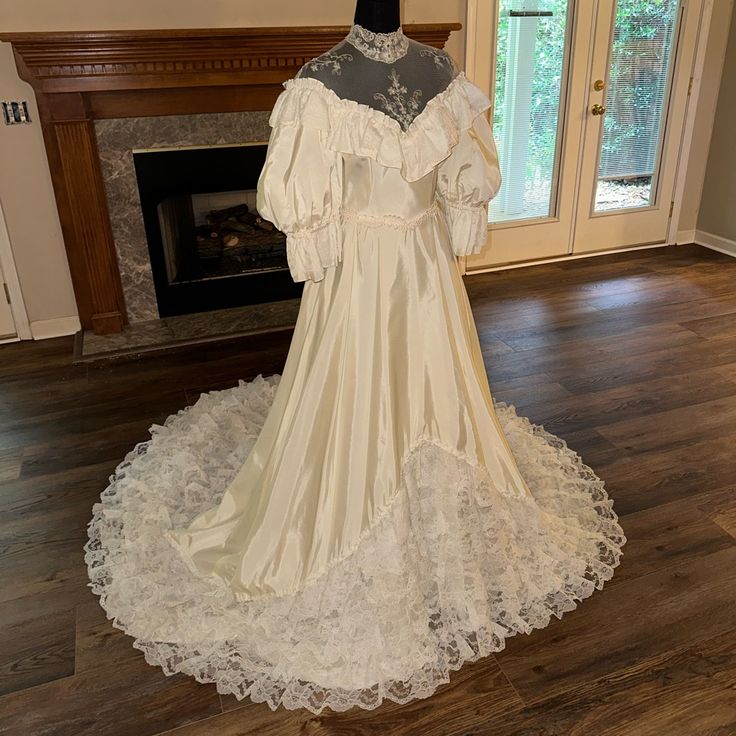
598, 109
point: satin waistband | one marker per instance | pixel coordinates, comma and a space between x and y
380, 191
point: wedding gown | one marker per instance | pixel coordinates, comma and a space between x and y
358, 527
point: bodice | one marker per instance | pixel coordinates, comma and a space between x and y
377, 191
333, 158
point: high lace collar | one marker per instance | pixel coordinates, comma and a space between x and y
386, 47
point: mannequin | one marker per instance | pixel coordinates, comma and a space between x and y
379, 16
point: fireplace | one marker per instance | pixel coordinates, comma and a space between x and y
209, 248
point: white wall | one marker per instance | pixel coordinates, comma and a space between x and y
30, 209
25, 186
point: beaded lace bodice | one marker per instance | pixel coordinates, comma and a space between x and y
386, 71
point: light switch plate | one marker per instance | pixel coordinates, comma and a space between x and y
15, 113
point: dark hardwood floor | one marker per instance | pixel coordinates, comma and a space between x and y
631, 358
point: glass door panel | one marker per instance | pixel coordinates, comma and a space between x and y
530, 79
637, 93
637, 101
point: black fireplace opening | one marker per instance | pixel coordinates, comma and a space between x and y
209, 247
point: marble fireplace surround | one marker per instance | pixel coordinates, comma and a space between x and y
116, 141
82, 79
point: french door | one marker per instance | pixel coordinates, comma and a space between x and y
590, 98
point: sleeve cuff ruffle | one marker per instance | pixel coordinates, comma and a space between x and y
468, 226
311, 252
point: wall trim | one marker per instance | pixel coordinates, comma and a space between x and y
715, 242
43, 329
688, 129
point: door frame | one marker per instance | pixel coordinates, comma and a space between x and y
479, 70
688, 128
10, 276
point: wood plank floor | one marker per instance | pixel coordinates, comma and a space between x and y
631, 358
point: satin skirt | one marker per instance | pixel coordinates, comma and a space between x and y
384, 357
355, 529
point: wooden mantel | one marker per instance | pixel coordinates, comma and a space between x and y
84, 76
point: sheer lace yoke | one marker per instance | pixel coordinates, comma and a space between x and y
387, 72
354, 128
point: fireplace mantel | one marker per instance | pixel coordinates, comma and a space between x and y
83, 76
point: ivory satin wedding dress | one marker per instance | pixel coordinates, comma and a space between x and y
356, 528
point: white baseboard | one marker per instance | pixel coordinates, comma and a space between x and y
684, 237
715, 242
46, 328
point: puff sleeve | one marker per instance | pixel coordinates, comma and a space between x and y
467, 180
299, 191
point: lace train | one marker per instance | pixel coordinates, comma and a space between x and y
450, 571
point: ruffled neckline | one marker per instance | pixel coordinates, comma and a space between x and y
352, 127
